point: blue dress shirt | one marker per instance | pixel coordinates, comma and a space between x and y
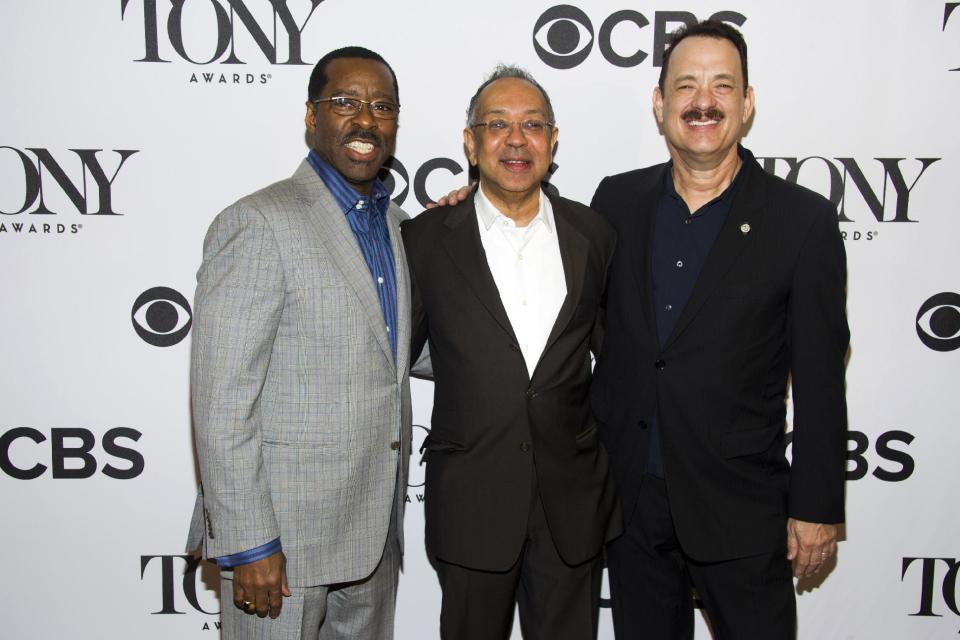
681, 243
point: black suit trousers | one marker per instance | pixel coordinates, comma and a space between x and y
652, 582
557, 601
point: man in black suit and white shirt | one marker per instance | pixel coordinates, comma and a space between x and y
506, 288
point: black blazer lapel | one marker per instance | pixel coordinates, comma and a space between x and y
745, 215
574, 248
640, 241
466, 252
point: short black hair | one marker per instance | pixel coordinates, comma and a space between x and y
318, 78
499, 73
707, 29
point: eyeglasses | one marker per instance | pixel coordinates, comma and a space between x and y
344, 106
528, 127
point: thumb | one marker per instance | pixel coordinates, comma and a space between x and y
284, 587
793, 544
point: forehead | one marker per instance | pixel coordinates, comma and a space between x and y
700, 54
512, 94
359, 75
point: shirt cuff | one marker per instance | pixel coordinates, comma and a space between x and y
250, 555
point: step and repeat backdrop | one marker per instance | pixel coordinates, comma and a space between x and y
128, 124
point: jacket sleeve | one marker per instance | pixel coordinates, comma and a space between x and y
419, 351
819, 338
237, 309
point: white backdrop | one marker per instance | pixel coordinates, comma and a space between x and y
128, 124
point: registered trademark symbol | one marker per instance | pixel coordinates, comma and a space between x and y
270, 75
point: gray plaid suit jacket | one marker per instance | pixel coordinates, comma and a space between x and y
301, 416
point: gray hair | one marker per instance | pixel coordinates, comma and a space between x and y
506, 71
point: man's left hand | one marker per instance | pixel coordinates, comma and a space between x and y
809, 545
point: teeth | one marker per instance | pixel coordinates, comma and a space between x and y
360, 147
699, 123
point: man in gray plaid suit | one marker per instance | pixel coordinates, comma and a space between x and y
299, 375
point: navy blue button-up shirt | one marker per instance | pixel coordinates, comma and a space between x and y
367, 216
681, 243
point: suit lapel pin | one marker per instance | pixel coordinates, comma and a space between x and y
745, 228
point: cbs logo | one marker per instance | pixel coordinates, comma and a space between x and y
161, 316
71, 453
890, 459
938, 322
563, 36
396, 178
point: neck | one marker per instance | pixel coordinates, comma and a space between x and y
699, 183
521, 207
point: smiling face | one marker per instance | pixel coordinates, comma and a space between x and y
511, 163
358, 145
704, 105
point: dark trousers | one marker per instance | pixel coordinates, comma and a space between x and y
651, 581
556, 601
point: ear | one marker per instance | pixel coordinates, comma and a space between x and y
554, 133
748, 104
310, 118
470, 142
658, 104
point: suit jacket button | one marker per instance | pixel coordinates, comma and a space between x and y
206, 513
531, 393
642, 424
659, 365
395, 445
524, 446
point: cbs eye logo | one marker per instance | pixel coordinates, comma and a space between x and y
563, 36
938, 322
161, 316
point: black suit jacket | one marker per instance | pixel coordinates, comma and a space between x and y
491, 421
768, 304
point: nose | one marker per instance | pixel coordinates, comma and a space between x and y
703, 99
364, 117
516, 137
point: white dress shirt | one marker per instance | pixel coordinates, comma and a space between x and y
527, 269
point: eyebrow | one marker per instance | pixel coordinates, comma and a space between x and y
504, 111
353, 93
690, 77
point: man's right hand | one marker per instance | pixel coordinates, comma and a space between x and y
454, 197
259, 585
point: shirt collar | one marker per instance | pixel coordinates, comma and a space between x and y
488, 213
343, 192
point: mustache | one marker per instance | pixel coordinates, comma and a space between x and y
362, 134
700, 114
